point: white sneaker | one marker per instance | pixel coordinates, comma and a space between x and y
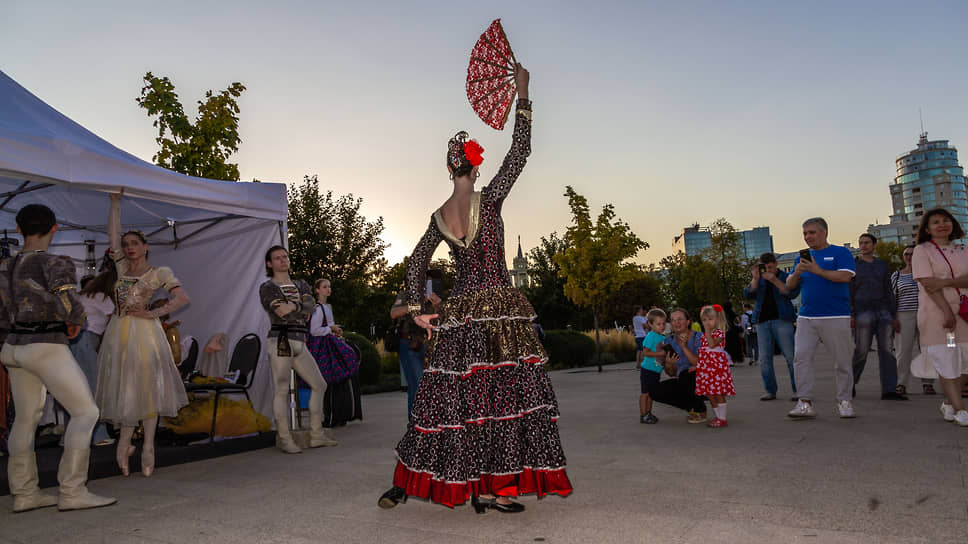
961, 418
947, 411
802, 409
846, 409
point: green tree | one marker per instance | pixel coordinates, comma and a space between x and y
892, 253
594, 264
644, 290
688, 281
546, 291
726, 254
201, 148
329, 238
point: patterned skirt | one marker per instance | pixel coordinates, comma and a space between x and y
335, 358
485, 415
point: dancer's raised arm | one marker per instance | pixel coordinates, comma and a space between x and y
517, 156
114, 223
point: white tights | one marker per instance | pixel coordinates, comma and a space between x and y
34, 369
305, 365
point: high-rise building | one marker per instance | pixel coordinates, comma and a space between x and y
694, 239
927, 177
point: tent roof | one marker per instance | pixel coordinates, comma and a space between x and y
58, 162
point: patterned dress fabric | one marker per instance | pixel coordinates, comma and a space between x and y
137, 377
485, 415
713, 376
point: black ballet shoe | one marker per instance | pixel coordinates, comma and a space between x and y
392, 497
481, 504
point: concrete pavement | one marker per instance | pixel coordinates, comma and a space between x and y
896, 473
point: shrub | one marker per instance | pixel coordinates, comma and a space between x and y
619, 344
369, 358
390, 364
568, 349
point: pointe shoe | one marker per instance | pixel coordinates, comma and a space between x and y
147, 461
123, 457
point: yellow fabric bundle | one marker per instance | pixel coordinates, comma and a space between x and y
235, 418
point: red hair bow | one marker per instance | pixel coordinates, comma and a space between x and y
472, 151
718, 308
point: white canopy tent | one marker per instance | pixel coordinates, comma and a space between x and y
213, 234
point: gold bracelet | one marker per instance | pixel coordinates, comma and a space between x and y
525, 113
414, 307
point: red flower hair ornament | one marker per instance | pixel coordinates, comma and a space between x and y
718, 308
472, 152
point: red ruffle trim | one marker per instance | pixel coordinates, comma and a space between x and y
540, 482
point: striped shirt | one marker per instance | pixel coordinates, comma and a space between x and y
905, 291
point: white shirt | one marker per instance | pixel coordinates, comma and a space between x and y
638, 325
98, 309
316, 327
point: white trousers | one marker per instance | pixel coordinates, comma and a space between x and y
305, 365
35, 369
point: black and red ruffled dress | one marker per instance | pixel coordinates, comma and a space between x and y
485, 416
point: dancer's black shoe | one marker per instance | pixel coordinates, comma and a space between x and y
392, 497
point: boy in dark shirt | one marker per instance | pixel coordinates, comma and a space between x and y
42, 312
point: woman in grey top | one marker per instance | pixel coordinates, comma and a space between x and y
906, 294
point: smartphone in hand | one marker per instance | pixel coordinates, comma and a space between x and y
805, 255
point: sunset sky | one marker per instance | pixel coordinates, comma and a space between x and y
764, 113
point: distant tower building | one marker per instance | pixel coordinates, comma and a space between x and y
519, 274
927, 177
695, 239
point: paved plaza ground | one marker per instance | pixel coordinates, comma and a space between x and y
896, 473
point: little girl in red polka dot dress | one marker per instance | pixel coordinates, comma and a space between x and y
713, 377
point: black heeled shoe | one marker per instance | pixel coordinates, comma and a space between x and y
481, 504
392, 497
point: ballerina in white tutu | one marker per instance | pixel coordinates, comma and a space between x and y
137, 378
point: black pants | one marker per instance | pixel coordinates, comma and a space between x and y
680, 393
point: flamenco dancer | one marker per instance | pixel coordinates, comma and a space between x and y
137, 377
484, 422
41, 311
290, 304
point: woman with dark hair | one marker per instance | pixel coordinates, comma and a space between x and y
290, 304
484, 422
97, 297
941, 268
137, 377
338, 363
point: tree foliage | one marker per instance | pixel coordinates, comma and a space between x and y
547, 290
717, 275
594, 263
644, 290
329, 238
892, 253
201, 148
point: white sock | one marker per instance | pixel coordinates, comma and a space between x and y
721, 411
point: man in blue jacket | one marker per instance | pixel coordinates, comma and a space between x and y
773, 318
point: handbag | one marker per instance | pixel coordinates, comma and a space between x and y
963, 306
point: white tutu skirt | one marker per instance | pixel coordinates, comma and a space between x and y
137, 377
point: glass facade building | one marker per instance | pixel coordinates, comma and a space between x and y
695, 239
927, 177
